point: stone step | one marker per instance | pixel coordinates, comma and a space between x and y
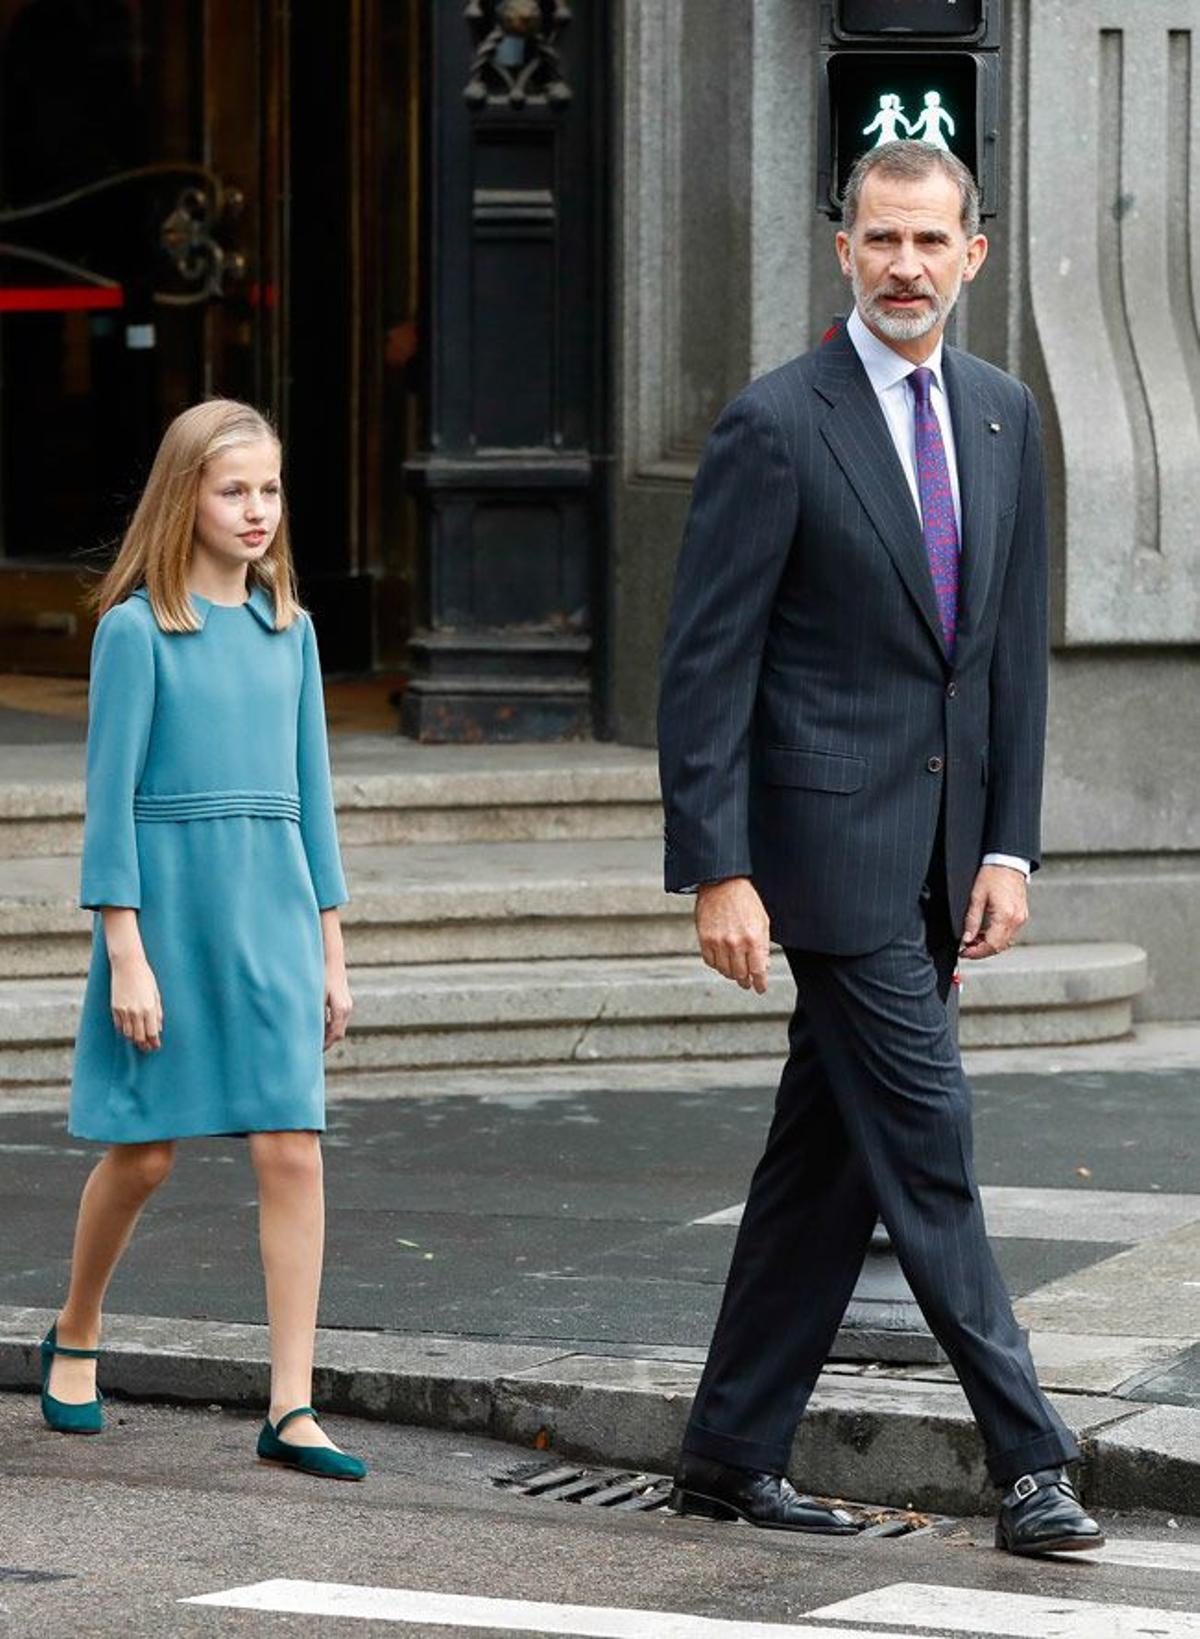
389, 790
424, 902
1051, 995
458, 1015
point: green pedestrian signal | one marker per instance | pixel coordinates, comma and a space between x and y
929, 128
883, 96
897, 70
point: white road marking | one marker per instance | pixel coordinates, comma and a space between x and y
727, 1215
906, 1605
1151, 1556
1085, 1214
448, 1610
1061, 1214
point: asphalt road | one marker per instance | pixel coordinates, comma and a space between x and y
106, 1537
561, 1217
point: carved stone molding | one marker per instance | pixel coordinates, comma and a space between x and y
1114, 264
516, 62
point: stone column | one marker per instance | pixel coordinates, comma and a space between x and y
715, 175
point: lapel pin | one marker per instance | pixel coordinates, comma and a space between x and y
993, 426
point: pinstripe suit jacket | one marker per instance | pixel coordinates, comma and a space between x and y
810, 722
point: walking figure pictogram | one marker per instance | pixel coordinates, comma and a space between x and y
887, 120
928, 126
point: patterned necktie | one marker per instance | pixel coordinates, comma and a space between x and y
938, 523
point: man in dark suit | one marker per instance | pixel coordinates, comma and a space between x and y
851, 738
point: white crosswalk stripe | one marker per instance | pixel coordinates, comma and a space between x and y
511, 1615
906, 1606
903, 1610
1060, 1214
731, 1215
1151, 1556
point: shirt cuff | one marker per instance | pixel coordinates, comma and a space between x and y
1013, 861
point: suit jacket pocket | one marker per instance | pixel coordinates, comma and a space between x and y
813, 770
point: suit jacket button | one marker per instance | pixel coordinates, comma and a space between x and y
935, 765
951, 690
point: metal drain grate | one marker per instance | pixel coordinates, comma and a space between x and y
627, 1492
624, 1491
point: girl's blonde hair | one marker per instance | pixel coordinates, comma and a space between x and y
158, 543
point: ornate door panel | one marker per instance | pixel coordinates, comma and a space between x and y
511, 477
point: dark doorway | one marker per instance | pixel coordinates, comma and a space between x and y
351, 333
139, 248
197, 197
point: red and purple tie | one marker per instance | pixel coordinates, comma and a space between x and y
938, 523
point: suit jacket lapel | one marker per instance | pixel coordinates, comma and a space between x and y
858, 436
976, 451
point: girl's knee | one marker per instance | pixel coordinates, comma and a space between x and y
290, 1157
143, 1167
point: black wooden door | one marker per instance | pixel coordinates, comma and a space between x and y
509, 477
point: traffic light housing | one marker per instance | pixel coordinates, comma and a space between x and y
928, 69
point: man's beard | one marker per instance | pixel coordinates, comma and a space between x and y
895, 324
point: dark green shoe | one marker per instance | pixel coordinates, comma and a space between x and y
317, 1460
63, 1418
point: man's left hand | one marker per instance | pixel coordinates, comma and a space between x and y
998, 910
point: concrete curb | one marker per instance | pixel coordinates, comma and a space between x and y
893, 1440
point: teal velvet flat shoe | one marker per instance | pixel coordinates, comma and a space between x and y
317, 1460
87, 1418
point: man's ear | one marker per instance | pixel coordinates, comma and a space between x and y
977, 249
843, 249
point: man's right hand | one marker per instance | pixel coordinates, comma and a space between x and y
734, 931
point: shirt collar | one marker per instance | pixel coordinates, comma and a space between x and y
262, 605
884, 366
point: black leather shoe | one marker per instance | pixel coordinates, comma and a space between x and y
1042, 1515
718, 1491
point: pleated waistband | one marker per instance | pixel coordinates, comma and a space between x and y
199, 805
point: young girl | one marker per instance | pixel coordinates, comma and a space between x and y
210, 855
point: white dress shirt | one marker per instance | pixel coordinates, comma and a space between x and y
888, 373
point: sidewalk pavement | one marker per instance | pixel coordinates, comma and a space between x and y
543, 1262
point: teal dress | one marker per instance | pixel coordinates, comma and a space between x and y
210, 811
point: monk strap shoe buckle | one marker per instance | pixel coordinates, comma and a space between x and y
1025, 1487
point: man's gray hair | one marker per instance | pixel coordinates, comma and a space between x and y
911, 161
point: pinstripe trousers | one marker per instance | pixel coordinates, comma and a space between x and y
872, 1119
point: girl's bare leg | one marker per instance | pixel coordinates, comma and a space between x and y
291, 1205
113, 1197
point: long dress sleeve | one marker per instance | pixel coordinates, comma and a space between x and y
318, 822
120, 713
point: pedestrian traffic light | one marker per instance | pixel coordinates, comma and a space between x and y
922, 69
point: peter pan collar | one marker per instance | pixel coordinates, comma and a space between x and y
262, 605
